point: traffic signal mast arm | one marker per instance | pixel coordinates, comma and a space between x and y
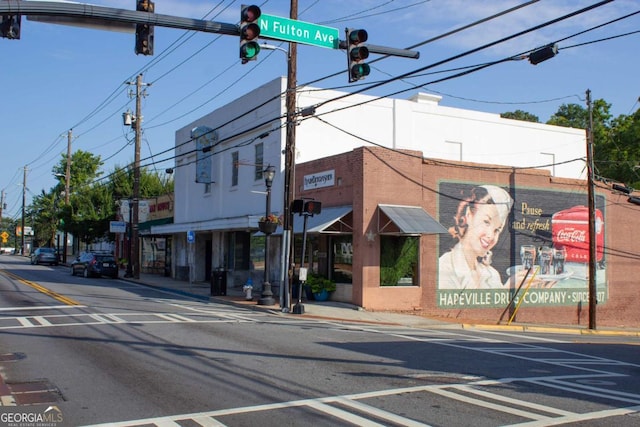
385, 50
99, 13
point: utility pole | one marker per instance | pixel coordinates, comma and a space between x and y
289, 160
593, 294
67, 189
133, 241
1, 206
24, 202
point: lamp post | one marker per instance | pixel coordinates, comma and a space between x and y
266, 298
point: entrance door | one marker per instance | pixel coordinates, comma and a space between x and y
208, 254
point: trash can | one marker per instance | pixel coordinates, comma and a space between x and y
218, 282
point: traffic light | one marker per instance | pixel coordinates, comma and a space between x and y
356, 54
622, 188
297, 206
634, 200
249, 32
10, 26
312, 207
543, 54
144, 32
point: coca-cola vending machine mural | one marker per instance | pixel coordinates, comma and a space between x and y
529, 243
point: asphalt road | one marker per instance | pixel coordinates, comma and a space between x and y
108, 351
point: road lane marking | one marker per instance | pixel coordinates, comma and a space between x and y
49, 292
379, 413
41, 307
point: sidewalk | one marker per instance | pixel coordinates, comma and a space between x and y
337, 311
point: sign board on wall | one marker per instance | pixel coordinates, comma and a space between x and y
546, 230
319, 180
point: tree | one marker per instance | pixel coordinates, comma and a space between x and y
616, 151
520, 115
43, 215
86, 205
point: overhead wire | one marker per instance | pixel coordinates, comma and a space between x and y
529, 2
468, 71
471, 51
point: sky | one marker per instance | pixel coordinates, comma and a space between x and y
58, 78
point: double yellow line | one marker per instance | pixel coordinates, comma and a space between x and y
39, 288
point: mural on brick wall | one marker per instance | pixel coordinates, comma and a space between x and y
522, 243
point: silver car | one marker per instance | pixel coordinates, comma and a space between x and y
44, 256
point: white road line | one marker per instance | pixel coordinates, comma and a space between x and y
506, 399
25, 322
208, 422
576, 418
40, 307
379, 413
590, 391
107, 318
176, 318
488, 405
42, 320
344, 415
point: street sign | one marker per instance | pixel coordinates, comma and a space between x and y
117, 227
276, 27
191, 236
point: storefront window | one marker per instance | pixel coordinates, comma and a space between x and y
311, 253
399, 260
342, 262
238, 249
153, 255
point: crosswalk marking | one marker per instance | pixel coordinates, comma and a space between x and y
60, 320
360, 411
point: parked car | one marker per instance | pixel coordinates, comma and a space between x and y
44, 256
95, 264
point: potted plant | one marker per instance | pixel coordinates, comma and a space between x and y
269, 223
320, 287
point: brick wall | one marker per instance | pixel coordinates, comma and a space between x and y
369, 176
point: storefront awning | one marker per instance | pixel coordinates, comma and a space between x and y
338, 219
412, 220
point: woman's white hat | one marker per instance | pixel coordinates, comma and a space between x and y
501, 199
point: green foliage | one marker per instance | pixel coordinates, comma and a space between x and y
616, 151
92, 202
318, 283
520, 115
398, 258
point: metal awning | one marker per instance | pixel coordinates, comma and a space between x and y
411, 220
333, 220
337, 219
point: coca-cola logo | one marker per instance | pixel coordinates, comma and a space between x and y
571, 235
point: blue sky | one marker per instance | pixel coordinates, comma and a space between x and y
60, 77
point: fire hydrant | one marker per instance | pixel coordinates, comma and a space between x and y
247, 289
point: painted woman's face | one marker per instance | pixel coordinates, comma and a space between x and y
484, 229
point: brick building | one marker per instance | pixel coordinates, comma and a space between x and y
547, 212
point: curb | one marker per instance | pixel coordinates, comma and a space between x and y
550, 329
275, 309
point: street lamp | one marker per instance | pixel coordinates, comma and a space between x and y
266, 298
